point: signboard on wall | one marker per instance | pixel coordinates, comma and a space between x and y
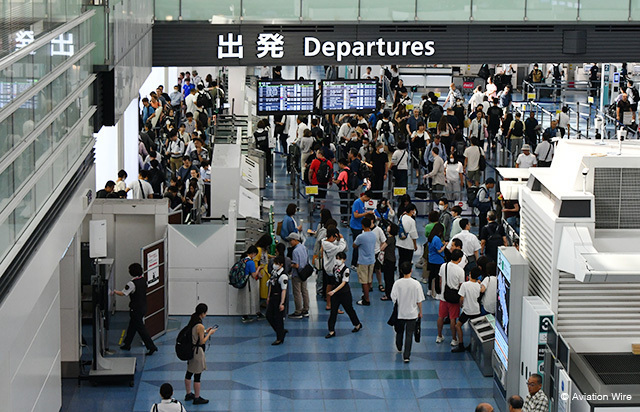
153, 263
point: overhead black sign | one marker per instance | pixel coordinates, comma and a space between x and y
204, 44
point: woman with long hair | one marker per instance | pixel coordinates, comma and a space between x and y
262, 260
197, 364
436, 255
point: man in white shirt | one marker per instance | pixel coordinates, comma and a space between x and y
168, 404
489, 287
175, 151
544, 151
302, 126
525, 159
407, 236
470, 244
407, 293
469, 293
380, 239
476, 99
472, 162
452, 275
190, 101
141, 188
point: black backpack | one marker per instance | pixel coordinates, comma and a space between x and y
460, 147
184, 344
636, 95
204, 100
352, 181
364, 172
436, 113
556, 71
518, 128
323, 175
493, 240
385, 128
426, 108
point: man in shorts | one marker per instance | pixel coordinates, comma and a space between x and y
365, 243
452, 275
469, 293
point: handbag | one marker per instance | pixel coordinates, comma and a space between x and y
417, 331
393, 319
306, 272
450, 294
421, 191
381, 256
279, 228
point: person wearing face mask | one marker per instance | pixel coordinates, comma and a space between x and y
276, 299
383, 213
445, 217
407, 235
341, 295
453, 176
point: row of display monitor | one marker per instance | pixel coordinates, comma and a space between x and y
299, 97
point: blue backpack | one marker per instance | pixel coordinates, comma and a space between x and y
402, 234
237, 277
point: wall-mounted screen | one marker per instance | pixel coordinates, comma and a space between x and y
286, 97
502, 310
349, 96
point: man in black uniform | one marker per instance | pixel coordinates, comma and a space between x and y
136, 289
277, 299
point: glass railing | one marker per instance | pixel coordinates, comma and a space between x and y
432, 11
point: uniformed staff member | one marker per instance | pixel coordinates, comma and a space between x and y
168, 404
341, 295
136, 289
276, 299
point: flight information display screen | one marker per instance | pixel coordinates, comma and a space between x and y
349, 96
286, 97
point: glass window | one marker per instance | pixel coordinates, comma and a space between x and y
635, 10
206, 9
43, 188
6, 135
23, 121
7, 236
23, 167
441, 11
545, 10
42, 62
43, 147
498, 10
6, 186
6, 87
598, 10
167, 9
73, 113
330, 10
59, 127
59, 86
74, 148
59, 168
384, 10
277, 10
42, 104
24, 212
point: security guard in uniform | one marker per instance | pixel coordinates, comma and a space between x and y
276, 299
136, 289
168, 404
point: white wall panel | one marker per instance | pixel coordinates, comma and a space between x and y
129, 141
30, 319
106, 152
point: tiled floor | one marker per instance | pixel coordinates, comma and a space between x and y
352, 372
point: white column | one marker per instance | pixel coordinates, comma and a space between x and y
236, 92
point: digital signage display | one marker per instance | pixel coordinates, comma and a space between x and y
349, 96
286, 97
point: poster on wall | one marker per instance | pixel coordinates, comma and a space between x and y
153, 274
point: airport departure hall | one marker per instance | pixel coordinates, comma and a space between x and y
355, 205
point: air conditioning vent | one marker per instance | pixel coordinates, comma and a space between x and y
412, 29
617, 196
617, 29
520, 29
536, 245
296, 28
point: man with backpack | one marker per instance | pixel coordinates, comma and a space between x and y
492, 236
321, 173
634, 98
494, 118
385, 130
204, 101
516, 134
483, 201
347, 182
168, 404
558, 73
451, 277
435, 114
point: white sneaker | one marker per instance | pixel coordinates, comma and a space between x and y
454, 342
440, 339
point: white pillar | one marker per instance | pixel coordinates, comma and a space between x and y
236, 92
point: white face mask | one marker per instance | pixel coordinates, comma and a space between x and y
277, 267
339, 262
381, 150
441, 207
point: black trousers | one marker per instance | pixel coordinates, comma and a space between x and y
354, 252
389, 272
276, 317
344, 205
404, 255
136, 324
405, 328
434, 272
344, 298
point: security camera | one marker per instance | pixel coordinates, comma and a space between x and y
585, 171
